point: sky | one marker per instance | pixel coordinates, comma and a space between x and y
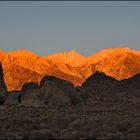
48, 27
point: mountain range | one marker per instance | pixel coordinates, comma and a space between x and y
23, 66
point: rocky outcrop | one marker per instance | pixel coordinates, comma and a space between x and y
2, 83
3, 89
51, 91
29, 86
100, 84
67, 87
103, 86
48, 95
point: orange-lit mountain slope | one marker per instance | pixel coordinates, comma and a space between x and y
31, 65
24, 66
17, 76
120, 63
2, 53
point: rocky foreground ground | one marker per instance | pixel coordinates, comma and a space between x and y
93, 119
102, 108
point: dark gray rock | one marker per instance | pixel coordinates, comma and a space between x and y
132, 82
102, 86
29, 86
3, 89
48, 95
67, 87
83, 92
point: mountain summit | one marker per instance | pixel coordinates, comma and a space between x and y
71, 58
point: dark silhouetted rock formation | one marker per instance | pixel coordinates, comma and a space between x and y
48, 95
101, 85
29, 86
66, 86
3, 89
52, 91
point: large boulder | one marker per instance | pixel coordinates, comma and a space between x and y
45, 95
100, 84
29, 86
61, 83
3, 89
66, 86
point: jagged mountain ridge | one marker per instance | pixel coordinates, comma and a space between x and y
119, 63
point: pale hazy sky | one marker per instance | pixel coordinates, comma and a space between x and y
49, 27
